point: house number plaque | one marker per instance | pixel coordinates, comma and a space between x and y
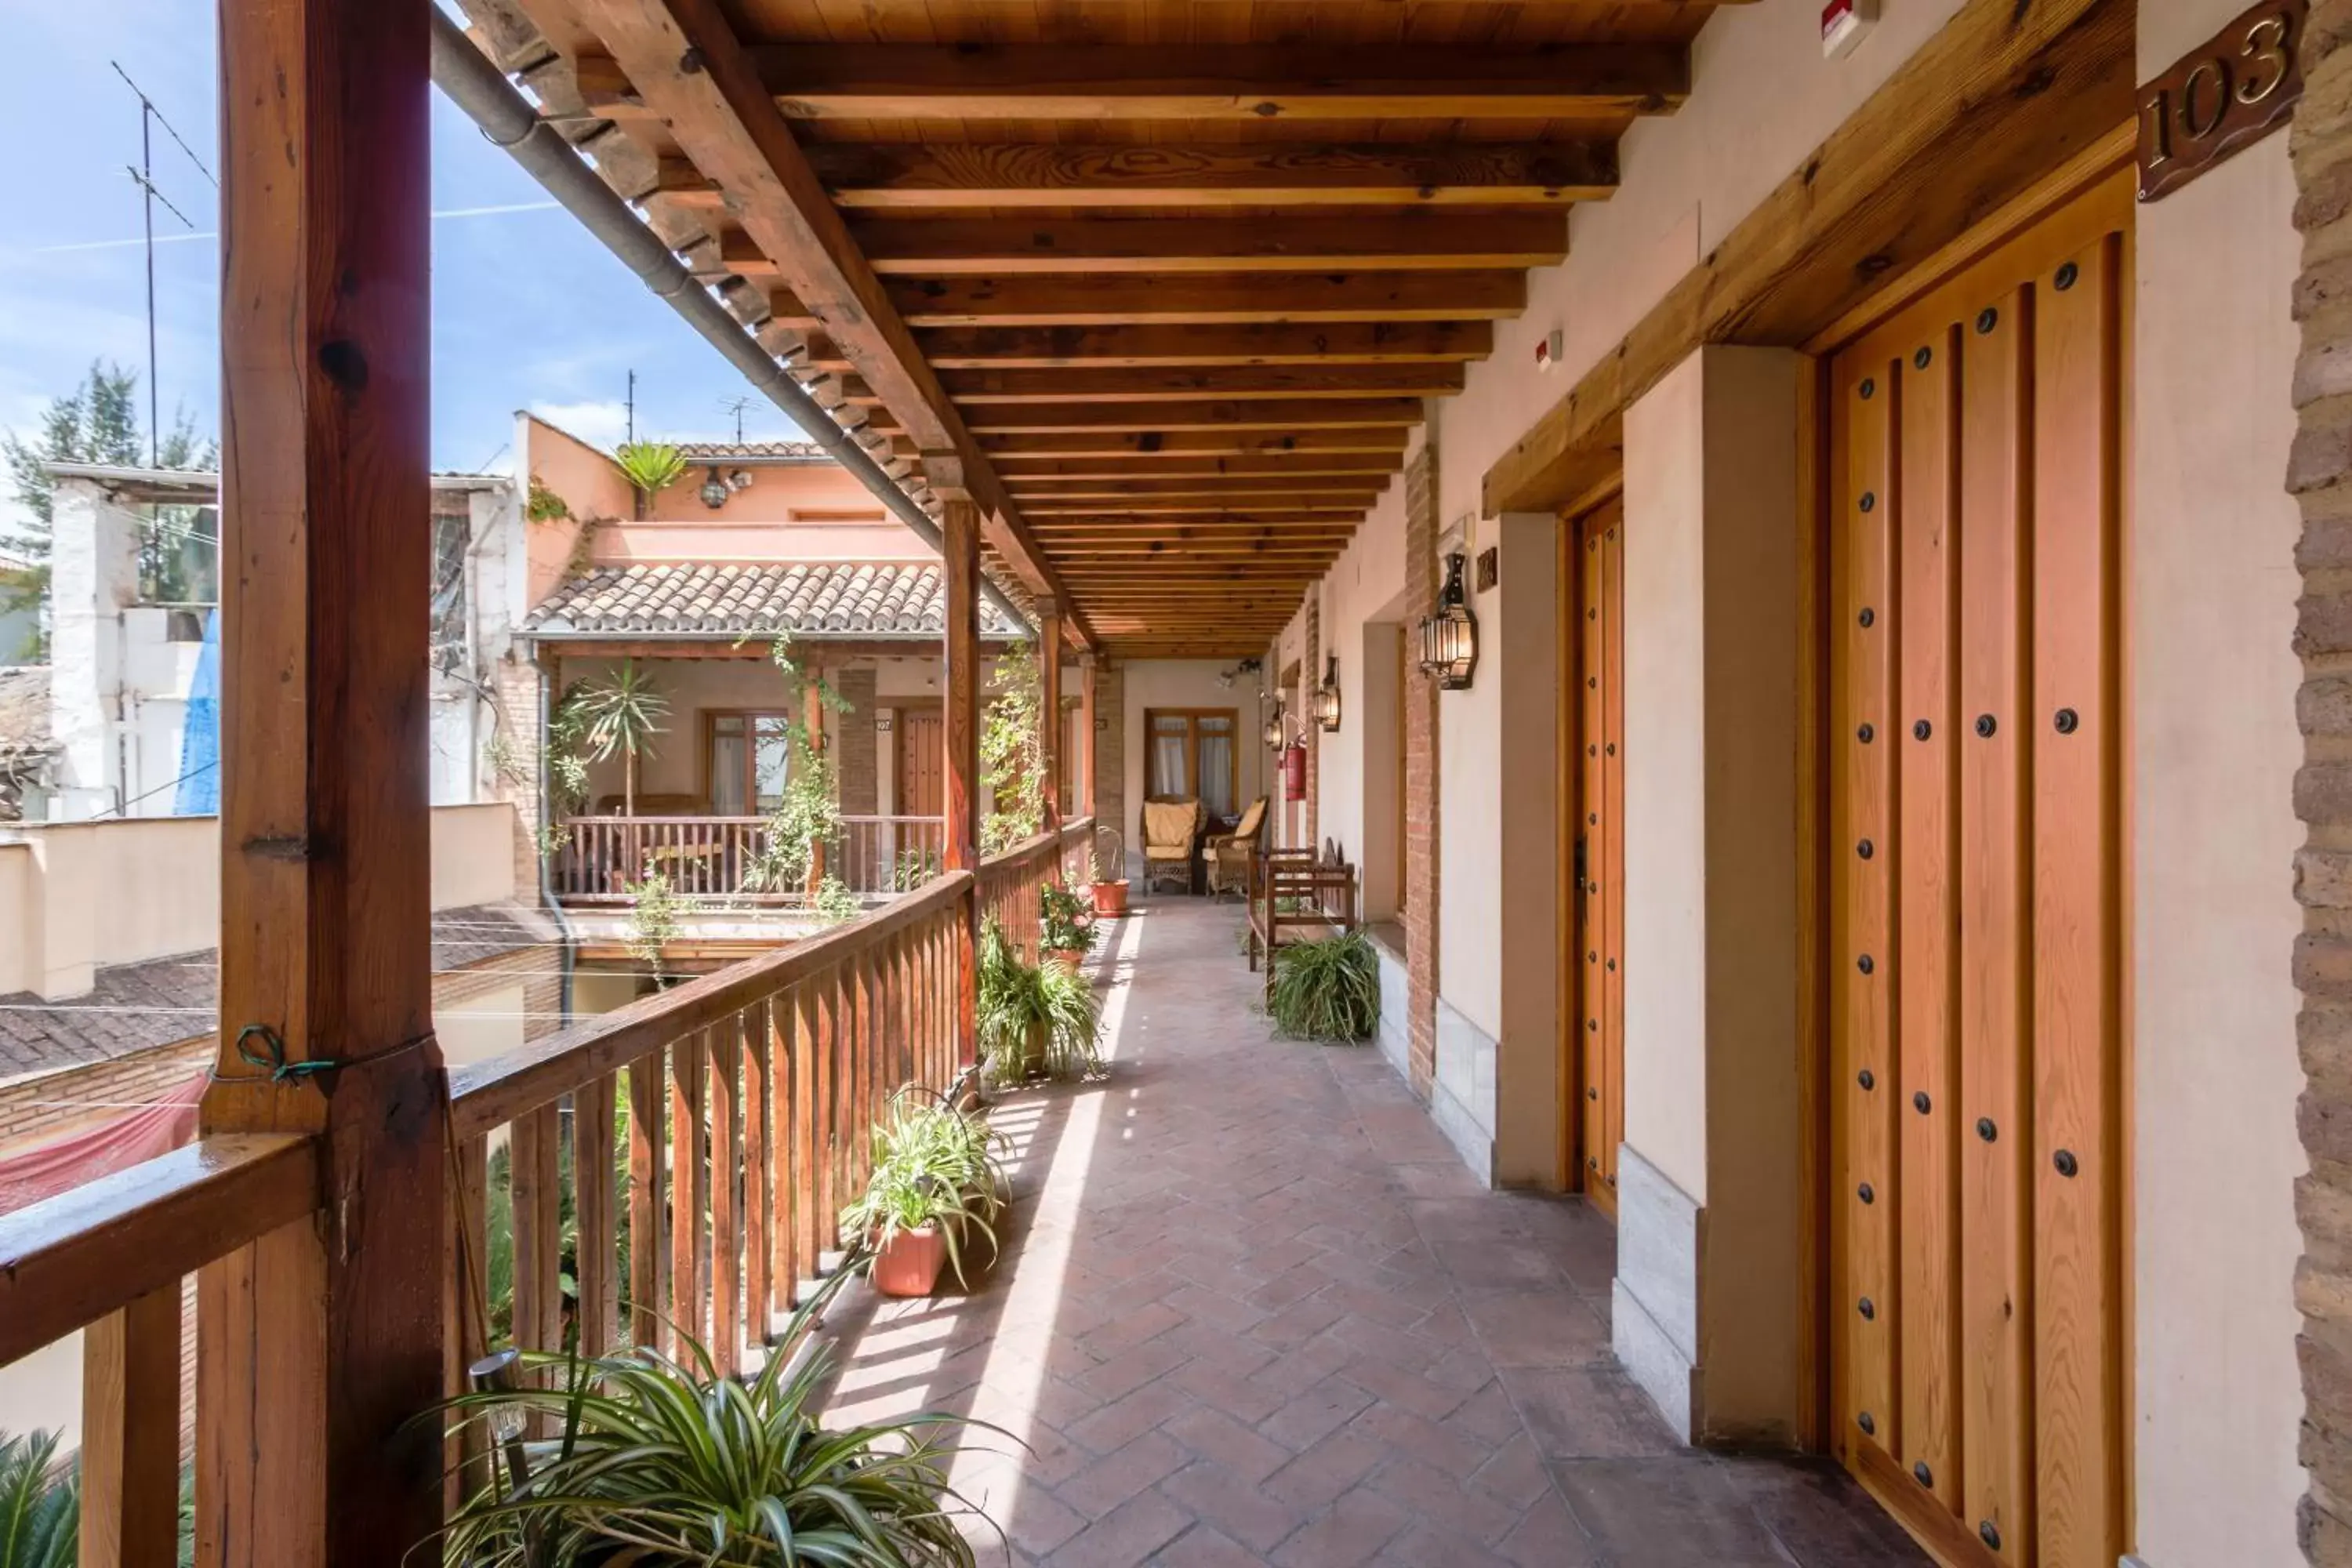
2225, 95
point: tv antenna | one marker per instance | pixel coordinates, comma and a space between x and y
143, 176
632, 406
736, 406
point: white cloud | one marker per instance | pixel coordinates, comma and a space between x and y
603, 422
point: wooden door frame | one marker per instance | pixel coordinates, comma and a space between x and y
2077, 178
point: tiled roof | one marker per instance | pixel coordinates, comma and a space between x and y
726, 452
688, 598
134, 1007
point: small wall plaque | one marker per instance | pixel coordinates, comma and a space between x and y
1490, 567
2219, 97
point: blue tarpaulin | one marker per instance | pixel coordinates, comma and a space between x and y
199, 794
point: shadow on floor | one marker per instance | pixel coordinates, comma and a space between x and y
1252, 1309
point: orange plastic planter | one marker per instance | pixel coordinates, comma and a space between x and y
908, 1264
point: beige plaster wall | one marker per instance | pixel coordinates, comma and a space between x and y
588, 482
473, 859
755, 540
1364, 585
1187, 683
2213, 752
483, 1025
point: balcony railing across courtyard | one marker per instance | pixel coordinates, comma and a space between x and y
604, 859
698, 1142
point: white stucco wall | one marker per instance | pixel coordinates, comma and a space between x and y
1188, 683
2213, 751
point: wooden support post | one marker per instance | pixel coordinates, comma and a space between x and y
1086, 758
320, 1342
1049, 706
959, 522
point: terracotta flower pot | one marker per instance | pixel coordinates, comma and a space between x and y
908, 1264
1065, 956
1110, 898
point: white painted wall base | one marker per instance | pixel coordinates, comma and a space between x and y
1462, 1101
1653, 1309
1395, 1033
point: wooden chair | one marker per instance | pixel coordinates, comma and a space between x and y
1230, 853
1170, 827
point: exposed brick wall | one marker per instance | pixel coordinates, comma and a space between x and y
516, 778
1310, 680
1421, 841
2320, 475
856, 772
1110, 755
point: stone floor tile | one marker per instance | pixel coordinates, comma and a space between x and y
1128, 1534
1201, 1547
1548, 1536
1434, 1497
1535, 1328
1218, 1497
1820, 1515
1346, 1535
1118, 1476
1314, 1414
1587, 1412
1326, 1471
1210, 1434
1679, 1512
1123, 1420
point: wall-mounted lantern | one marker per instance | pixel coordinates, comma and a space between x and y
1274, 731
715, 490
1326, 697
1449, 637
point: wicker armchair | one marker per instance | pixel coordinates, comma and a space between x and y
1229, 853
1170, 830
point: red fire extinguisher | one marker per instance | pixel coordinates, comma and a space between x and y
1294, 771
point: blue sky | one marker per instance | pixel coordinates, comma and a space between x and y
528, 311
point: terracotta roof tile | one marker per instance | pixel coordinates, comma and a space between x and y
684, 598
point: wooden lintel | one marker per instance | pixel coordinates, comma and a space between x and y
1212, 81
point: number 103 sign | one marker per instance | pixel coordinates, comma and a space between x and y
2225, 95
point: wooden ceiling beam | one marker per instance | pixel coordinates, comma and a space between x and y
1159, 246
1220, 81
1339, 488
1390, 440
684, 61
1283, 413
1034, 473
1209, 297
979, 387
1175, 345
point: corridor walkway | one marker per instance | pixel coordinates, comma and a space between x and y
1253, 1309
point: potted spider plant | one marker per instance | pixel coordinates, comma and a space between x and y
1034, 1020
935, 1183
651, 1462
1066, 927
1328, 990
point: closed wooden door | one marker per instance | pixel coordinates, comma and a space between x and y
1977, 1210
1595, 546
922, 762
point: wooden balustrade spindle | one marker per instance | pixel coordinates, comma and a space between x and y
726, 1204
648, 1206
597, 1263
689, 1189
806, 1057
825, 1122
535, 1191
758, 1170
131, 1434
466, 1307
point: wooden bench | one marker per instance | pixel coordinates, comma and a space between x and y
1298, 891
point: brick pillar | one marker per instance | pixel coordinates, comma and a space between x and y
516, 778
1420, 843
1310, 681
2319, 474
1110, 758
855, 773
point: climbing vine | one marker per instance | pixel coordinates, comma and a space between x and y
1013, 752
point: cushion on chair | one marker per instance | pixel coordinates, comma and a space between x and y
1248, 825
1169, 824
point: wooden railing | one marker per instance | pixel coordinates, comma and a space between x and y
701, 1142
602, 858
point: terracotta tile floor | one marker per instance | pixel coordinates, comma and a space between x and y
1253, 1309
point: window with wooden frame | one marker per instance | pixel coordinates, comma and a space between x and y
746, 757
1190, 753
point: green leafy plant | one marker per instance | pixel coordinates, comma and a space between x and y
40, 1504
1067, 921
1328, 990
543, 505
934, 1164
915, 867
1012, 752
807, 812
620, 712
1048, 1015
650, 466
834, 903
662, 1463
656, 917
